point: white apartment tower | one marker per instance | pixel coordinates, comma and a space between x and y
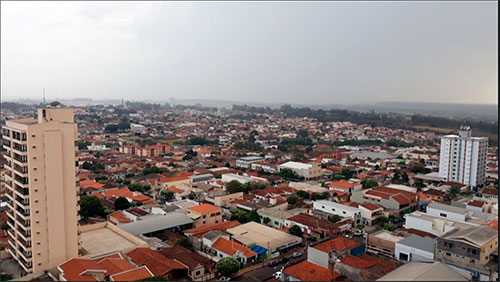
42, 195
463, 158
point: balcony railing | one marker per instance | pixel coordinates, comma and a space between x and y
21, 169
23, 202
24, 223
22, 191
23, 211
25, 244
25, 233
20, 158
6, 142
26, 264
21, 148
22, 180
26, 254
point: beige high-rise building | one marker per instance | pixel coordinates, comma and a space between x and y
42, 194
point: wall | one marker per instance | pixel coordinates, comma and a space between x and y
400, 248
317, 257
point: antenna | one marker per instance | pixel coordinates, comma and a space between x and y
44, 97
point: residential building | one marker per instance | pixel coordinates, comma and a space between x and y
338, 209
313, 226
345, 186
158, 264
205, 214
423, 271
490, 194
278, 216
42, 194
308, 271
199, 267
384, 242
364, 267
326, 253
463, 158
392, 199
246, 162
415, 248
470, 248
157, 225
220, 245
308, 171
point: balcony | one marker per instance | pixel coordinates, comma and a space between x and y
21, 180
25, 254
22, 191
26, 224
21, 169
10, 203
25, 244
22, 201
23, 212
26, 234
19, 147
25, 264
6, 142
21, 159
11, 223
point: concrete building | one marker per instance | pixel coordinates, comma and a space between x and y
338, 209
415, 248
389, 198
384, 242
308, 171
472, 249
246, 162
205, 214
463, 158
42, 194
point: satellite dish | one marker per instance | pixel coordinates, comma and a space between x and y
54, 104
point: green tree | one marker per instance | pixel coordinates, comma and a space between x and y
253, 216
121, 204
383, 219
389, 227
334, 218
233, 186
292, 200
454, 190
369, 183
360, 226
90, 206
405, 177
6, 277
295, 230
227, 266
303, 194
167, 194
419, 184
396, 175
266, 220
392, 217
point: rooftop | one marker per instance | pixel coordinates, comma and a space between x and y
262, 235
423, 243
308, 271
156, 223
422, 271
338, 244
478, 236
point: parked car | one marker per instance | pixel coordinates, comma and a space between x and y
359, 233
284, 260
277, 275
296, 255
272, 263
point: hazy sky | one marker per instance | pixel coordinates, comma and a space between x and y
296, 52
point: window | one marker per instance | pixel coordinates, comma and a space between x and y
442, 215
448, 254
343, 212
473, 260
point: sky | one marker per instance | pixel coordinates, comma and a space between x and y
275, 52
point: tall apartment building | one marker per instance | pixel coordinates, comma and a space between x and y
42, 195
463, 158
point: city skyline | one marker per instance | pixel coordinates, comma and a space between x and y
294, 52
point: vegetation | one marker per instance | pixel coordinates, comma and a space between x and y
227, 266
200, 141
303, 194
91, 206
289, 174
234, 186
113, 128
334, 218
167, 194
6, 277
292, 200
139, 187
389, 227
93, 166
295, 230
121, 204
183, 242
253, 216
369, 183
383, 219
4, 226
266, 220
247, 146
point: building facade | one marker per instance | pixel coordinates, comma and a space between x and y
463, 158
42, 194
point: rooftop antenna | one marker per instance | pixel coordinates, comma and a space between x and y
44, 98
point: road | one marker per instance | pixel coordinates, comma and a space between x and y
267, 272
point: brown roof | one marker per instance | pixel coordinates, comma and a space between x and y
308, 271
338, 244
187, 257
312, 221
221, 226
156, 262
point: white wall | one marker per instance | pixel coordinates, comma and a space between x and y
449, 215
413, 252
317, 257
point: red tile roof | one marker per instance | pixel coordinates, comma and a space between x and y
156, 262
344, 184
308, 271
204, 208
371, 206
132, 274
221, 226
476, 203
74, 269
493, 224
338, 244
231, 247
120, 217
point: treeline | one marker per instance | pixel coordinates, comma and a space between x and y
12, 106
372, 118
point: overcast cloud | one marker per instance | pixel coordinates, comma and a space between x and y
297, 52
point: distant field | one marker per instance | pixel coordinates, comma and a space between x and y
491, 136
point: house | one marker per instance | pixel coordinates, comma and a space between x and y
118, 217
384, 242
370, 213
205, 214
364, 267
345, 186
158, 264
471, 249
195, 234
338, 209
308, 271
389, 198
225, 200
325, 253
199, 267
312, 225
490, 194
222, 247
308, 171
435, 195
101, 268
415, 248
277, 216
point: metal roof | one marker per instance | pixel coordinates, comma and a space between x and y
156, 223
417, 242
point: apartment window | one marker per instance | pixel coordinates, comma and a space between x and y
442, 215
343, 212
333, 209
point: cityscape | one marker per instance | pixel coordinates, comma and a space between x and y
120, 188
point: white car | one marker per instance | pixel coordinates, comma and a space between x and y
277, 275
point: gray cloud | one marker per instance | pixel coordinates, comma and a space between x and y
298, 52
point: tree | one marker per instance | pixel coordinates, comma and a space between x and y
369, 183
454, 190
360, 226
392, 217
288, 174
295, 230
292, 200
396, 175
266, 220
253, 216
419, 184
389, 227
303, 194
167, 194
383, 219
121, 204
227, 266
90, 206
6, 277
334, 218
154, 278
233, 186
405, 177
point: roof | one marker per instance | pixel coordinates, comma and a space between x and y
493, 224
120, 217
422, 271
371, 206
365, 261
448, 208
158, 264
295, 165
476, 203
230, 247
336, 205
308, 271
132, 274
156, 223
74, 269
204, 208
422, 243
490, 191
401, 196
186, 257
262, 235
221, 226
476, 235
338, 244
312, 221
344, 184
